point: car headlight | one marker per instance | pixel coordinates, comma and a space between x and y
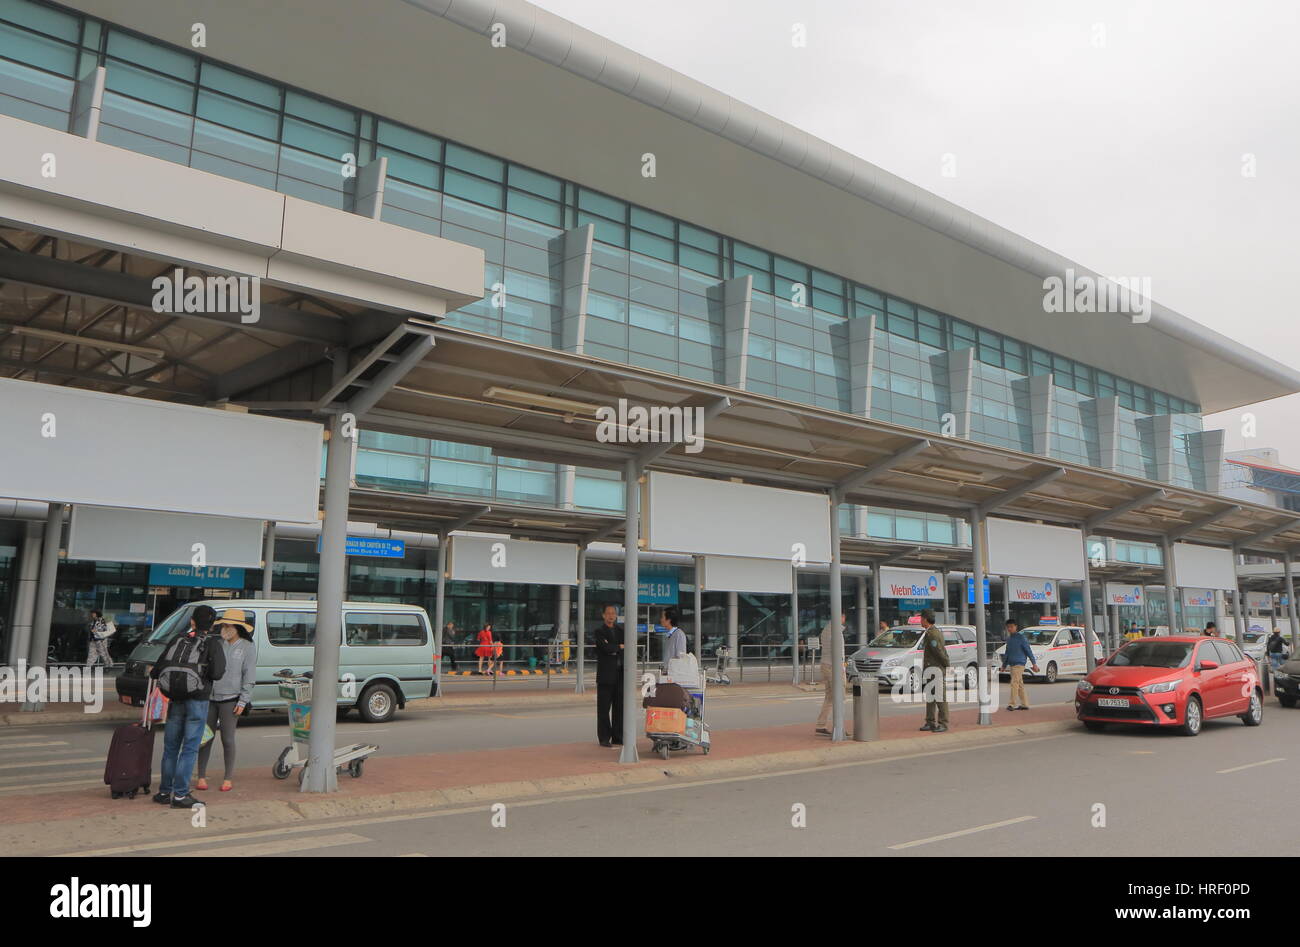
892, 662
1162, 688
1085, 687
1281, 675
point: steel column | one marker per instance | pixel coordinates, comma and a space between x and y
439, 613
699, 613
875, 596
268, 558
836, 683
1292, 612
40, 641
580, 685
977, 556
24, 596
794, 627
631, 570
862, 610
1088, 629
1171, 593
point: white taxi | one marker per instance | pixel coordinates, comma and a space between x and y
894, 657
1058, 649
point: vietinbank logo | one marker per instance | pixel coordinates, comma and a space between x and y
1128, 598
915, 589
1045, 594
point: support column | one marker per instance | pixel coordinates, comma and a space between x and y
631, 572
1292, 612
563, 608
28, 577
794, 627
733, 625
1171, 593
1113, 633
875, 597
1042, 401
268, 558
1239, 614
1006, 599
44, 613
699, 612
961, 383
580, 685
736, 296
1146, 608
88, 103
370, 189
944, 580
862, 611
964, 604
1088, 629
862, 349
977, 556
836, 683
440, 613
330, 592
571, 266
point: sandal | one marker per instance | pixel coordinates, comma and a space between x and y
202, 784
225, 786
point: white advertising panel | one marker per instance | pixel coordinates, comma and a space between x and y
1032, 549
1198, 598
1122, 593
1021, 589
732, 574
910, 583
65, 445
492, 559
1259, 601
99, 532
1207, 567
719, 518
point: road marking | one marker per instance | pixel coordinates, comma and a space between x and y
79, 759
276, 848
20, 746
8, 782
1237, 769
948, 835
549, 800
28, 787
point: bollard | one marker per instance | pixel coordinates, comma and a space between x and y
866, 710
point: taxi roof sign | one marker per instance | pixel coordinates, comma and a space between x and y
914, 619
1049, 620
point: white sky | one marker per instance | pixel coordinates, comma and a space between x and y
1126, 157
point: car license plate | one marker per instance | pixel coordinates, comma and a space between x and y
1111, 702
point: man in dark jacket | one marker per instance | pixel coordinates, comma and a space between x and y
1016, 655
934, 665
1276, 649
609, 678
187, 715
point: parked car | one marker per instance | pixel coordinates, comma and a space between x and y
1058, 649
1172, 681
1286, 683
894, 656
387, 650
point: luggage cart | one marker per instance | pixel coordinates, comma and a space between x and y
675, 717
297, 693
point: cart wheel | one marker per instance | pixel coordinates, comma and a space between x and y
663, 750
706, 749
354, 768
280, 769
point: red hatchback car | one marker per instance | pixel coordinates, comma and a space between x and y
1174, 681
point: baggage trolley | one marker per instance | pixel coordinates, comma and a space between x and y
297, 693
675, 718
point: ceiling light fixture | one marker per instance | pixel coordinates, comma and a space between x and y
103, 344
531, 399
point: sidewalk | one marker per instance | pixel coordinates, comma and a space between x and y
77, 818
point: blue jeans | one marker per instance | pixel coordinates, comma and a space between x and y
1277, 660
185, 722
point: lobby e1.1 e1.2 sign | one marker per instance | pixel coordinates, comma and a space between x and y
196, 577
657, 585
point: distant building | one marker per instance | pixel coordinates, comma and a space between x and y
1258, 476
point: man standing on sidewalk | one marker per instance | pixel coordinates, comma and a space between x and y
609, 678
828, 668
185, 672
1016, 655
934, 668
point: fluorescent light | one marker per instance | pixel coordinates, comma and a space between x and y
533, 400
966, 476
537, 524
103, 344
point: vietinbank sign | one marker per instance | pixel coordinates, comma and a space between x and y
1121, 593
910, 583
1023, 589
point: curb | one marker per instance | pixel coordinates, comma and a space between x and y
110, 831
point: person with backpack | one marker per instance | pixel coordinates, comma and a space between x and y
185, 672
100, 631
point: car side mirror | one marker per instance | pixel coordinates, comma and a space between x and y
1207, 665
1101, 661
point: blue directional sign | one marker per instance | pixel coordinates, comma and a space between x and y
970, 590
194, 577
657, 585
375, 548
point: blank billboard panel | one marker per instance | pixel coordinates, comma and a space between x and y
65, 445
97, 532
492, 559
1204, 567
719, 518
732, 574
1033, 550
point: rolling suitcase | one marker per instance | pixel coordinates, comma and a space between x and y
129, 767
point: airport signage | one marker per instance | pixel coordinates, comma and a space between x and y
1122, 593
196, 577
1021, 589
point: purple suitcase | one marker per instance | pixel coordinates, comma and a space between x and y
130, 761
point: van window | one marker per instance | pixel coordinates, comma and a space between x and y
380, 629
177, 620
291, 629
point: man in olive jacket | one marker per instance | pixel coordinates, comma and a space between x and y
934, 665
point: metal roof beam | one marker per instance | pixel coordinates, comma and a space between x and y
462, 521
983, 509
1136, 503
881, 466
1249, 541
1180, 532
383, 383
648, 455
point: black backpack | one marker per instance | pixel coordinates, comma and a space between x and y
182, 667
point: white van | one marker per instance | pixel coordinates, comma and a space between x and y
385, 659
894, 656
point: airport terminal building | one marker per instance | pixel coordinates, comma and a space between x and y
640, 234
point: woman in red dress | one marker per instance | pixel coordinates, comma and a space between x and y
486, 649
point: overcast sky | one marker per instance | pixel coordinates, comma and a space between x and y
1110, 132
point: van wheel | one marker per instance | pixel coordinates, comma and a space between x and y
1052, 673
378, 703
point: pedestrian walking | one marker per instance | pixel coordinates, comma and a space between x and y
449, 644
827, 669
608, 637
486, 649
99, 631
231, 694
185, 672
1211, 629
934, 667
1016, 656
675, 643
1276, 648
